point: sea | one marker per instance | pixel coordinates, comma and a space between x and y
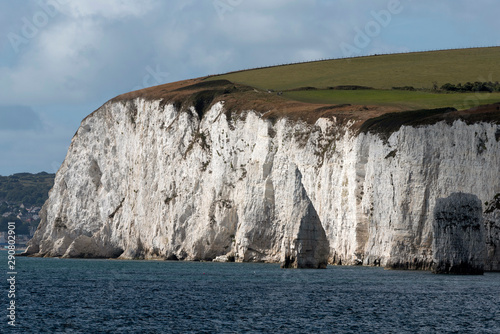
55, 295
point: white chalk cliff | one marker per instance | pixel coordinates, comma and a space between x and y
148, 179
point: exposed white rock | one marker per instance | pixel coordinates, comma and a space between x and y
145, 180
224, 258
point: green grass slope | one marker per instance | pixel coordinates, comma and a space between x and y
338, 88
418, 69
422, 70
405, 100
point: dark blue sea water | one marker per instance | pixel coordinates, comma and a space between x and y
110, 296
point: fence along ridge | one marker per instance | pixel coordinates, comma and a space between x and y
348, 58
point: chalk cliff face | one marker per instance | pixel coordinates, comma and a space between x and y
144, 179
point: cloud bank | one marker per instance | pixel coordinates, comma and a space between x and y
77, 54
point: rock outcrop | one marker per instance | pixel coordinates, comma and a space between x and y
491, 219
148, 178
459, 245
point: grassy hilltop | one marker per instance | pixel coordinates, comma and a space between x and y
313, 82
428, 86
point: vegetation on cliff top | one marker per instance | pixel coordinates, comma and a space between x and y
356, 89
21, 198
25, 188
411, 81
403, 99
418, 69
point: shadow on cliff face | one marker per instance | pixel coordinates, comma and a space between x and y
459, 245
189, 93
491, 217
204, 93
311, 247
386, 124
305, 243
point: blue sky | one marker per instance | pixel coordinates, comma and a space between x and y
62, 59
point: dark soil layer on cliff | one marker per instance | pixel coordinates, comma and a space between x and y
391, 122
237, 98
372, 110
368, 118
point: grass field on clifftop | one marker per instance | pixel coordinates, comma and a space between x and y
421, 70
405, 99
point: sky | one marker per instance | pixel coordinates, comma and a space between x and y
62, 59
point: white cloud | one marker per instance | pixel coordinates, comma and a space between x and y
309, 54
109, 9
101, 47
51, 67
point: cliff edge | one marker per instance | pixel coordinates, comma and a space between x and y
201, 170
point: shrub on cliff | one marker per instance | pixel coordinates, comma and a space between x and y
472, 87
